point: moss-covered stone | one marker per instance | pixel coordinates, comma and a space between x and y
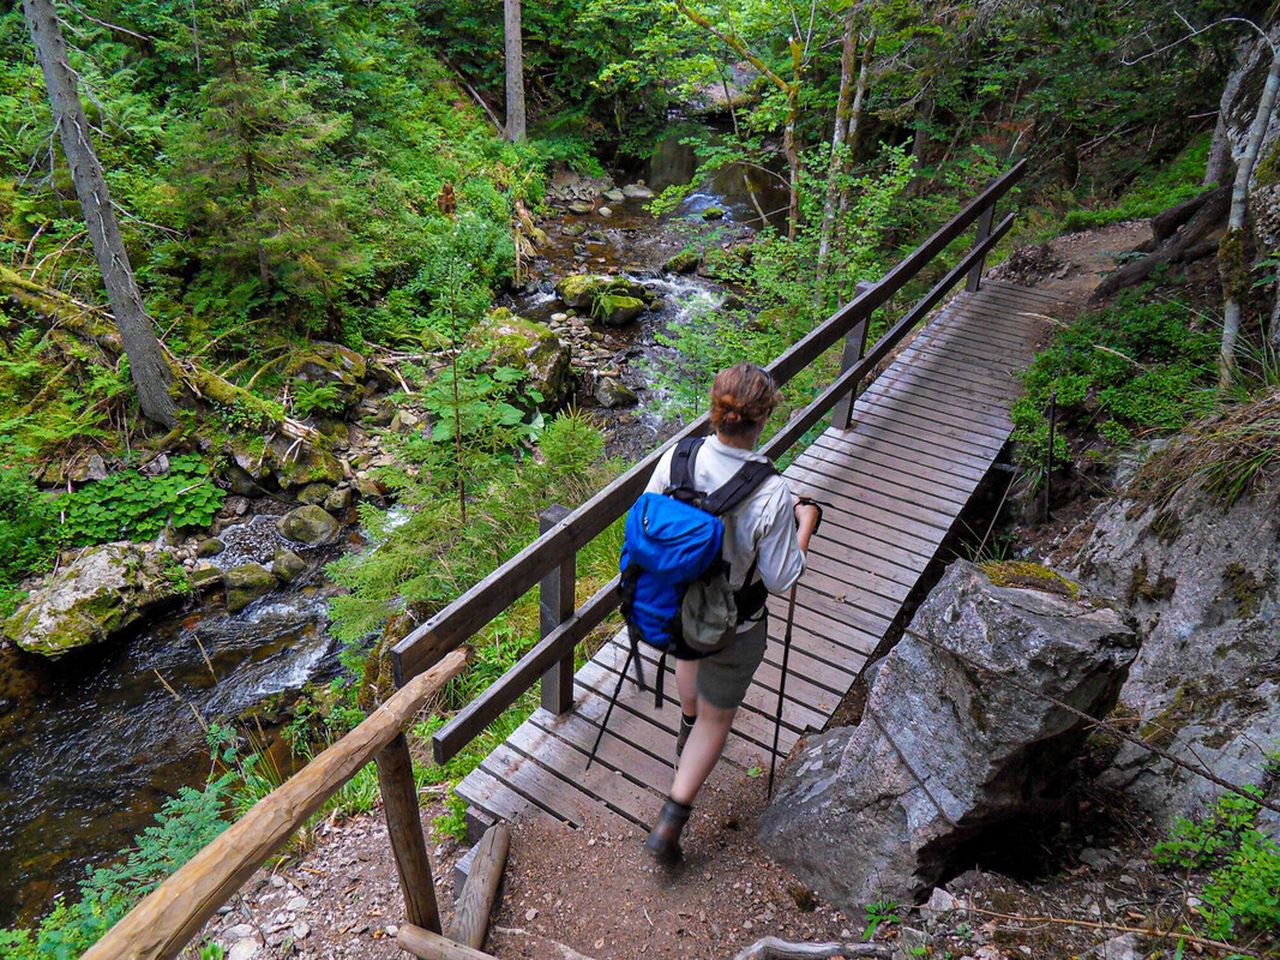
1244, 588
713, 213
580, 290
314, 493
686, 261
616, 310
103, 592
1032, 576
206, 577
246, 583
311, 525
523, 344
287, 565
291, 463
331, 364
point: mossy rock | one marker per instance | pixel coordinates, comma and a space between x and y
522, 344
615, 310
686, 261
103, 592
314, 494
287, 565
206, 577
1030, 576
291, 463
331, 364
580, 290
312, 525
246, 583
713, 213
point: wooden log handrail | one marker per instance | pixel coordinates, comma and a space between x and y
559, 645
162, 924
479, 605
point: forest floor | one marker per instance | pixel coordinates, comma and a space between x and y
593, 893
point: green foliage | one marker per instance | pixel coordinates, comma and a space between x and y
184, 824
1241, 893
28, 534
309, 398
1140, 364
1152, 192
130, 506
880, 913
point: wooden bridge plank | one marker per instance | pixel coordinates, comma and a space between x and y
616, 753
875, 521
859, 480
887, 447
562, 799
943, 488
938, 384
982, 413
931, 442
602, 782
938, 423
491, 795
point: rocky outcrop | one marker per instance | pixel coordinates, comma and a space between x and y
290, 463
332, 365
948, 747
521, 344
104, 591
1204, 586
310, 525
611, 392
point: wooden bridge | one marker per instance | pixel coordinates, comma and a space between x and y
921, 438
897, 463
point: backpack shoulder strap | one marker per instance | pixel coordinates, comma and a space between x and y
681, 477
740, 486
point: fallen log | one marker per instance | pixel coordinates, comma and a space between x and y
471, 920
774, 948
431, 946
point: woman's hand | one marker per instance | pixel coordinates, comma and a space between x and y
807, 517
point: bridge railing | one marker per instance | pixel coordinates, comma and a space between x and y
161, 925
549, 561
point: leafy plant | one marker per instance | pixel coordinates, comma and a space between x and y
1242, 890
880, 913
130, 506
28, 533
309, 398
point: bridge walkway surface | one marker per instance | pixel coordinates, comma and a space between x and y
922, 437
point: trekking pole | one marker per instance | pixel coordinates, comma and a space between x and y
609, 712
782, 685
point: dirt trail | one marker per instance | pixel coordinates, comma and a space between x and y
591, 893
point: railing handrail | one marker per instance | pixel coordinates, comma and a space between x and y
560, 643
478, 606
167, 918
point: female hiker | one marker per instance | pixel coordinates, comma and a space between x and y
765, 537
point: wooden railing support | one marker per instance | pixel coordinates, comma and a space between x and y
556, 604
404, 828
984, 230
855, 346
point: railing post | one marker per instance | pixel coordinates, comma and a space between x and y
984, 231
556, 604
855, 346
404, 827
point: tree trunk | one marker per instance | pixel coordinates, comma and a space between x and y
1232, 265
515, 71
789, 145
151, 374
839, 132
855, 123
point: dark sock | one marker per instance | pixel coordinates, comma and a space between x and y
688, 720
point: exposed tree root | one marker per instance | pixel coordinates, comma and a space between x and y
1181, 234
773, 948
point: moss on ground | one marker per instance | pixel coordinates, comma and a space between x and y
1027, 575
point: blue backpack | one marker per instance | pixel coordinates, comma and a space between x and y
674, 539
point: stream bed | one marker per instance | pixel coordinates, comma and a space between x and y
92, 744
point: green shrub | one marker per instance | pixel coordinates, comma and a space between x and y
1170, 184
28, 533
1242, 891
130, 506
1136, 366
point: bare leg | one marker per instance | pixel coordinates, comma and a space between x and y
687, 684
703, 750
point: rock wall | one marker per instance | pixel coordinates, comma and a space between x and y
1204, 586
951, 743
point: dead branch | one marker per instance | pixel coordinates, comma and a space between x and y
1115, 928
774, 948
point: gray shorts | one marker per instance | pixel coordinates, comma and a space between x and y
724, 676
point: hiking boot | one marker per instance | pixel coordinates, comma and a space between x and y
686, 727
664, 841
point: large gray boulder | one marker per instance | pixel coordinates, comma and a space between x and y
949, 748
1204, 585
311, 525
522, 344
106, 590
